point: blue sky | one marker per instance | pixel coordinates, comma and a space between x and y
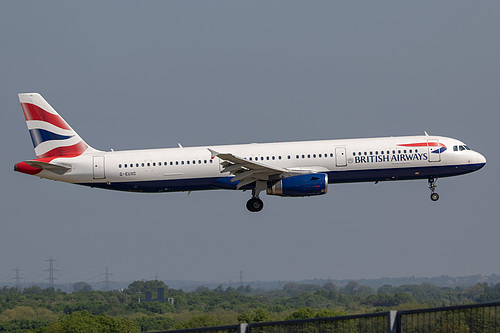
130, 75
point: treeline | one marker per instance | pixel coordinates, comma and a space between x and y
47, 310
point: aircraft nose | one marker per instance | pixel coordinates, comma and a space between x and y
479, 159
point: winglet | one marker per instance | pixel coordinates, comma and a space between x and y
213, 153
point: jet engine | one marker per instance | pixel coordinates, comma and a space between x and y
300, 186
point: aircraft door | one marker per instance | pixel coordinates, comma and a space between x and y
340, 157
98, 166
434, 150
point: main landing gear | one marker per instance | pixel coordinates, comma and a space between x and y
432, 187
255, 204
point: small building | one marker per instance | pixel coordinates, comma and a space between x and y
161, 297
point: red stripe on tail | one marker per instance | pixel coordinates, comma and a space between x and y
33, 112
68, 151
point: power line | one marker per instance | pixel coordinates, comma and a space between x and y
51, 272
107, 275
18, 279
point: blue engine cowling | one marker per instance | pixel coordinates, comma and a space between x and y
300, 186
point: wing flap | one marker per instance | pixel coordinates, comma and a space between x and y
244, 171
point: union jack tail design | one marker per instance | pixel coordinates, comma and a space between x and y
52, 136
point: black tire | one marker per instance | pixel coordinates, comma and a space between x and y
434, 197
255, 205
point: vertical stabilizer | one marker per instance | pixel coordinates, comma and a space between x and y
50, 133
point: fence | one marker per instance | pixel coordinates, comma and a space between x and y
477, 318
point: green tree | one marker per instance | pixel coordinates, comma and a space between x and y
82, 286
255, 316
302, 313
324, 313
330, 286
84, 322
204, 320
143, 286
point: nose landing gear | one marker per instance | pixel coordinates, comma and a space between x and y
432, 187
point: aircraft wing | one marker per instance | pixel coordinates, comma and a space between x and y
245, 171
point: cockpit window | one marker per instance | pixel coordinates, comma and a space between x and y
460, 148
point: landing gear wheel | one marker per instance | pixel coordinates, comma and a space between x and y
255, 205
434, 197
432, 187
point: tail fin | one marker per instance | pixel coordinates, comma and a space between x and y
51, 135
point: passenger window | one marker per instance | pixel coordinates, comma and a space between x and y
142, 164
120, 166
308, 155
331, 154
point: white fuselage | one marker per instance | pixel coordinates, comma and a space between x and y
195, 168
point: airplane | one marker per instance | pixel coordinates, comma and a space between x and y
286, 169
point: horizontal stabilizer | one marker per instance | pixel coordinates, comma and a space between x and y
59, 169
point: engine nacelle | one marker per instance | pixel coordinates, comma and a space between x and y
300, 186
